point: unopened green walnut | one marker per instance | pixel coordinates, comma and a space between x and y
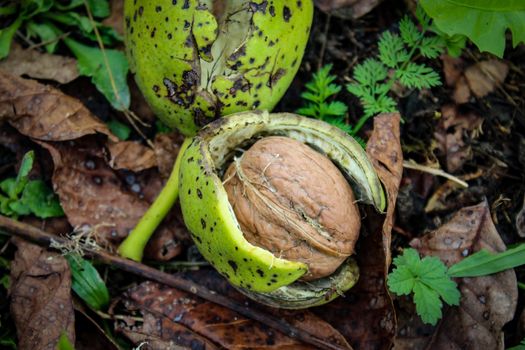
196, 61
211, 220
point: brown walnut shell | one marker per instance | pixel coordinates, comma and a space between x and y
293, 201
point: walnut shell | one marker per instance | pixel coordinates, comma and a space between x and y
294, 202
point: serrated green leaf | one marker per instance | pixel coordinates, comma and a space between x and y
91, 63
121, 130
392, 52
41, 200
46, 31
370, 72
428, 304
6, 37
64, 343
431, 47
87, 283
409, 32
484, 263
401, 280
334, 108
308, 111
484, 22
72, 19
99, 8
418, 76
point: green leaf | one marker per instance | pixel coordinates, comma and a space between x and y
121, 130
5, 281
72, 19
392, 52
428, 279
19, 208
23, 172
370, 72
521, 346
99, 8
431, 47
484, 263
46, 31
418, 76
162, 128
8, 186
484, 22
409, 32
6, 37
41, 200
31, 8
87, 283
91, 63
64, 343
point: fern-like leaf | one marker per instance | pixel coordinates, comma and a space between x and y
370, 72
431, 47
409, 32
418, 76
392, 52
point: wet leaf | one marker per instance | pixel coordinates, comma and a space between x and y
484, 77
488, 302
94, 196
365, 316
189, 319
347, 8
36, 64
40, 297
131, 155
45, 113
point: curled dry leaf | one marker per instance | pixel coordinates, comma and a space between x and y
366, 315
131, 155
41, 297
44, 113
94, 196
38, 65
487, 302
212, 326
454, 127
347, 8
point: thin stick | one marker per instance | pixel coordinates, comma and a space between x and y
43, 238
438, 172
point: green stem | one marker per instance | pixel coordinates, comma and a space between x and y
133, 246
521, 285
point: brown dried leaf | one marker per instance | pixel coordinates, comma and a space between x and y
450, 133
38, 65
94, 196
203, 322
488, 302
366, 315
484, 77
45, 113
41, 297
167, 148
347, 8
453, 68
116, 18
131, 155
520, 220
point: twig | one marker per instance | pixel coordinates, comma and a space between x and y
438, 172
43, 238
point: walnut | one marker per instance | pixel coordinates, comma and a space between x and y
293, 201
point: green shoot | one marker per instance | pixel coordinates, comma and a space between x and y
21, 196
375, 77
87, 283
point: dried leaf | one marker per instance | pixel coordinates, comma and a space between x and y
366, 316
203, 322
166, 148
38, 65
484, 77
116, 18
40, 297
94, 196
131, 155
450, 133
45, 113
353, 8
487, 302
520, 220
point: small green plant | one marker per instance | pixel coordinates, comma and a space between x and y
395, 63
22, 196
520, 346
484, 22
49, 22
320, 104
430, 281
87, 283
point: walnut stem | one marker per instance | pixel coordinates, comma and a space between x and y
45, 239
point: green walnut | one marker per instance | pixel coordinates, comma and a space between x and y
196, 61
240, 222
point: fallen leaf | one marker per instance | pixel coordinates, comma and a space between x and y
131, 155
353, 8
94, 196
39, 65
520, 220
41, 303
487, 302
366, 315
166, 148
202, 322
116, 18
484, 77
44, 113
450, 133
